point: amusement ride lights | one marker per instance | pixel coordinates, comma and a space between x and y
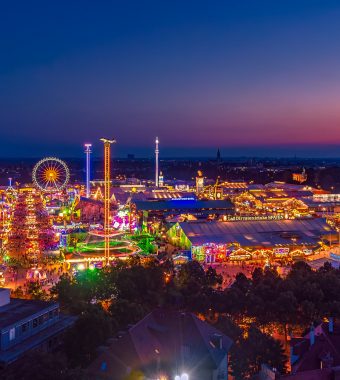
29, 231
156, 159
107, 186
50, 173
88, 153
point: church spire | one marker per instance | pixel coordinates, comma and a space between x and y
218, 156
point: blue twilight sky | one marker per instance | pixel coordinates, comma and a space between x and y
249, 76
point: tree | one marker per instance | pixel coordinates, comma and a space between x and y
69, 295
135, 375
285, 310
125, 312
91, 329
212, 278
299, 269
229, 328
249, 353
18, 292
196, 286
242, 283
191, 275
36, 292
41, 366
76, 293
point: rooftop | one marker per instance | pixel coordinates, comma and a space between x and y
257, 232
167, 337
13, 353
182, 204
327, 345
19, 309
317, 374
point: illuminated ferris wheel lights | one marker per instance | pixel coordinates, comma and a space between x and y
50, 174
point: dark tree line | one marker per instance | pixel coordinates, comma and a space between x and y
109, 300
302, 298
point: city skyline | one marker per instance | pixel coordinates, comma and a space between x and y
22, 150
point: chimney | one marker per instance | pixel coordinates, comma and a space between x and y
312, 335
4, 296
330, 325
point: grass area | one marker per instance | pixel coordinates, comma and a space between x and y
100, 244
123, 250
144, 242
138, 238
115, 245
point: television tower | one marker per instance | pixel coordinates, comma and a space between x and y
107, 186
88, 153
156, 169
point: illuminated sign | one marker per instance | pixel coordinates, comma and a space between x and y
281, 251
232, 218
184, 199
326, 197
307, 251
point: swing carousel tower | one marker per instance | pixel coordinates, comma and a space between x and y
107, 186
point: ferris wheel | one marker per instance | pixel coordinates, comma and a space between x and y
50, 174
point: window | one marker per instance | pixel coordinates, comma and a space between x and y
35, 322
24, 327
12, 334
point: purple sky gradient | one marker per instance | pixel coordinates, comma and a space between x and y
197, 74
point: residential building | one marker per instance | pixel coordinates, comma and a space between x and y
28, 324
166, 344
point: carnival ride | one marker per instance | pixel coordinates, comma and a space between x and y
30, 232
50, 174
122, 246
94, 244
107, 198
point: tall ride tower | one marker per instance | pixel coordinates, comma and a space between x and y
107, 186
156, 168
88, 162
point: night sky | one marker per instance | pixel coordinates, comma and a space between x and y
251, 77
